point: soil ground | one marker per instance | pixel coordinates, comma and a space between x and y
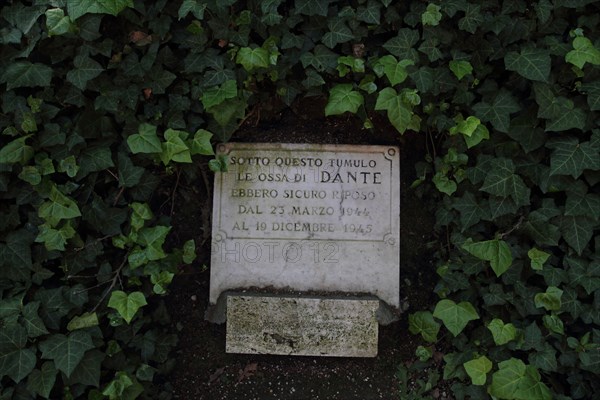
203, 369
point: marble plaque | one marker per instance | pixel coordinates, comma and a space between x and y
302, 326
306, 217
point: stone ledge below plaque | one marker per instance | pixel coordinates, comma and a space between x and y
259, 324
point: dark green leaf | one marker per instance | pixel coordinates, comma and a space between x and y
586, 274
498, 112
66, 351
470, 210
312, 7
42, 382
129, 174
16, 361
77, 8
577, 231
571, 157
472, 19
338, 33
88, 371
26, 74
502, 181
531, 63
85, 70
31, 320
592, 89
402, 45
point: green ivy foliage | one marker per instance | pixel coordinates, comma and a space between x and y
102, 102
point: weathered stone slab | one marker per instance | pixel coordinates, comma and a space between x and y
307, 218
302, 326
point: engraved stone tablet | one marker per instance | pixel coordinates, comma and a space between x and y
305, 217
302, 326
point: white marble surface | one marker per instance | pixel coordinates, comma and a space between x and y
307, 217
302, 326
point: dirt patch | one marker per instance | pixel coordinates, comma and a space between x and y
203, 369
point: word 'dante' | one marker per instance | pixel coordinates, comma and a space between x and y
307, 218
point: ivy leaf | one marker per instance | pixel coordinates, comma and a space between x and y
15, 254
42, 382
200, 144
470, 210
312, 7
189, 251
58, 207
77, 8
582, 204
82, 321
577, 231
502, 333
126, 305
129, 174
545, 359
397, 110
538, 258
395, 71
444, 184
95, 159
498, 112
153, 239
145, 141
561, 112
174, 148
496, 251
592, 89
370, 14
88, 370
455, 316
461, 68
85, 70
216, 95
66, 351
57, 23
554, 324
251, 59
26, 74
477, 369
342, 98
550, 300
531, 387
505, 381
502, 181
583, 51
422, 322
472, 19
31, 320
192, 6
531, 63
432, 15
16, 361
402, 45
338, 33
582, 273
16, 151
571, 157
525, 130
